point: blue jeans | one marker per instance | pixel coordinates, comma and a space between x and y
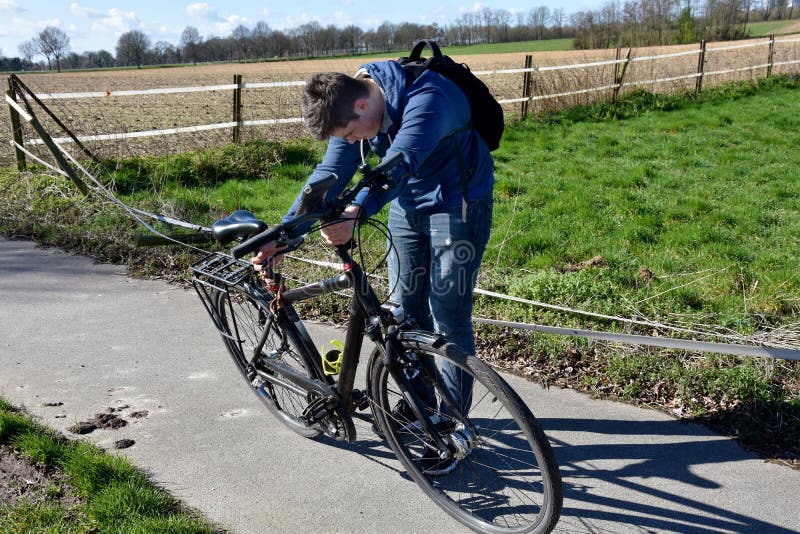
434, 272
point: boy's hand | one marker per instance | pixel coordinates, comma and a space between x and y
268, 256
341, 231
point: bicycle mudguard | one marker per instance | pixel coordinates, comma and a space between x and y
421, 336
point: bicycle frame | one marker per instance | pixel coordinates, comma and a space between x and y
275, 353
367, 317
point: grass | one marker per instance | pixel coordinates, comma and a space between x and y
114, 495
545, 45
542, 45
689, 190
766, 28
682, 209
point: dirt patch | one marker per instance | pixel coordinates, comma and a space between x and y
102, 420
23, 480
124, 443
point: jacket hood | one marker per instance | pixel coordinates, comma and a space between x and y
391, 77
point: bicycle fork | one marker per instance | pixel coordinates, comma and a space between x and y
406, 387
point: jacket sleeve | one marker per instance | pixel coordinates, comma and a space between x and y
342, 159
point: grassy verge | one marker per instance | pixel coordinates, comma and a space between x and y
112, 495
681, 209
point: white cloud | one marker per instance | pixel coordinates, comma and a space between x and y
341, 19
116, 21
292, 21
77, 9
202, 10
216, 23
49, 22
10, 6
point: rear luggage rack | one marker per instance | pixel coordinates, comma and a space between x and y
221, 268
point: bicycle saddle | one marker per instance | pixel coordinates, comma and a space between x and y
238, 225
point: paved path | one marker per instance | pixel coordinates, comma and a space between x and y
90, 337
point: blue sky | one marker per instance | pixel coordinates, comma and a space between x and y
95, 25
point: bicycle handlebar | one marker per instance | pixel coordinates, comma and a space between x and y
330, 209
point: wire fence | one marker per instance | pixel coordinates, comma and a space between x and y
123, 114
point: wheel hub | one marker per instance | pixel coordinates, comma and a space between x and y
463, 441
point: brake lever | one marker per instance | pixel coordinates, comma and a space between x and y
291, 244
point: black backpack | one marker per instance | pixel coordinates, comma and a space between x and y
487, 114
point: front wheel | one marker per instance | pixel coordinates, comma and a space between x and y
502, 476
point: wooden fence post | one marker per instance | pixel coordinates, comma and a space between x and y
527, 86
59, 157
619, 74
616, 73
771, 54
701, 62
16, 128
237, 107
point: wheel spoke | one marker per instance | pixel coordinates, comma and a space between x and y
246, 317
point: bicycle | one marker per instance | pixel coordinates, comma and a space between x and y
485, 461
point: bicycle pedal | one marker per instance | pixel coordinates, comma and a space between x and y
360, 400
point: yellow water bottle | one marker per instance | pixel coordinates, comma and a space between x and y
332, 358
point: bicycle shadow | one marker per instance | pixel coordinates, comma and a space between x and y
368, 445
617, 484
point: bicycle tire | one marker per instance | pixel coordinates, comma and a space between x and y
509, 482
240, 311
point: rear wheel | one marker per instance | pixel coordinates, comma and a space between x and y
504, 477
243, 318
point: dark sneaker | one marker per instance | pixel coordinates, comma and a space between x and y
401, 414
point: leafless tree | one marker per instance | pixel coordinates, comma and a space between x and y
243, 38
52, 42
28, 50
190, 43
538, 18
132, 47
260, 35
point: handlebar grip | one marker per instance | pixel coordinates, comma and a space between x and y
388, 164
255, 242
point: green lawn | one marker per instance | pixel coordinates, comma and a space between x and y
763, 29
705, 196
503, 48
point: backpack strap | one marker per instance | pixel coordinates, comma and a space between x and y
416, 52
466, 173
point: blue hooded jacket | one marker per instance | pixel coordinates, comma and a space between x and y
425, 122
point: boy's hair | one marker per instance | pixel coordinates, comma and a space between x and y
328, 101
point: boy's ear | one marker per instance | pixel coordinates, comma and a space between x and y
361, 105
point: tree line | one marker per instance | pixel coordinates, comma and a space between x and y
617, 23
666, 22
